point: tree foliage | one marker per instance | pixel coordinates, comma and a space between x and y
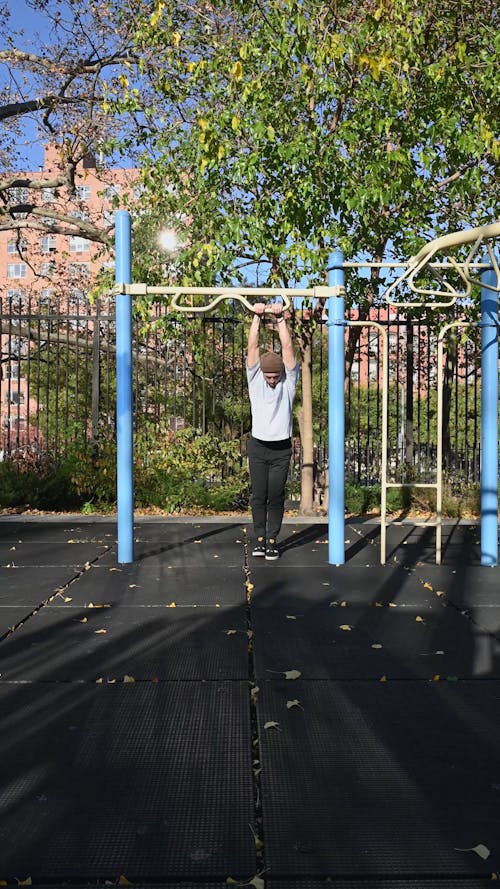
305, 124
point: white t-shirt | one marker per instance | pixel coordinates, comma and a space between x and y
271, 408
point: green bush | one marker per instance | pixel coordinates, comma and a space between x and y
48, 486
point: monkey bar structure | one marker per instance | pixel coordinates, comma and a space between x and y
442, 295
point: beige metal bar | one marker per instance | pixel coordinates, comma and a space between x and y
404, 265
220, 293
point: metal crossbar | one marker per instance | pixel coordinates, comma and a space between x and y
234, 294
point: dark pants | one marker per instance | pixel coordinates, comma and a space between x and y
268, 463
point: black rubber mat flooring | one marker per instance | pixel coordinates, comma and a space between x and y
308, 545
145, 780
162, 585
386, 779
367, 643
380, 585
34, 585
187, 545
376, 884
65, 643
147, 739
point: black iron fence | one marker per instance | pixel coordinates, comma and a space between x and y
58, 382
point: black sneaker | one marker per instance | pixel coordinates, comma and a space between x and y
259, 549
272, 550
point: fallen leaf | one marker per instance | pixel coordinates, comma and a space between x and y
231, 632
378, 605
100, 632
436, 678
128, 678
333, 604
258, 882
346, 627
272, 724
132, 586
124, 882
26, 882
254, 692
383, 679
249, 586
84, 620
172, 605
291, 617
99, 681
480, 850
249, 634
376, 645
440, 593
292, 674
294, 703
427, 586
116, 569
419, 619
91, 605
392, 605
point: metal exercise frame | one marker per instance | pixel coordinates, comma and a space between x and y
334, 293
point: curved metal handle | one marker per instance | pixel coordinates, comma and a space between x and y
225, 294
474, 236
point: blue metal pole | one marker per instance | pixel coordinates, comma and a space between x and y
336, 422
124, 427
489, 420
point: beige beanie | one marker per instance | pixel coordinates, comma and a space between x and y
271, 363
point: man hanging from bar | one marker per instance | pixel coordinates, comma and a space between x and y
272, 381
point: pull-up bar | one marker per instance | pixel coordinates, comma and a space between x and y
125, 290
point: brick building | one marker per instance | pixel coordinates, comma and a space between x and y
41, 268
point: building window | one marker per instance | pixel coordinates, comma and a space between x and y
48, 244
78, 245
111, 192
83, 192
48, 195
79, 269
47, 269
14, 397
16, 269
46, 295
78, 296
18, 347
18, 195
12, 372
16, 246
17, 299
80, 214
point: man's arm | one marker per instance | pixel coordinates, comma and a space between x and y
253, 350
287, 351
